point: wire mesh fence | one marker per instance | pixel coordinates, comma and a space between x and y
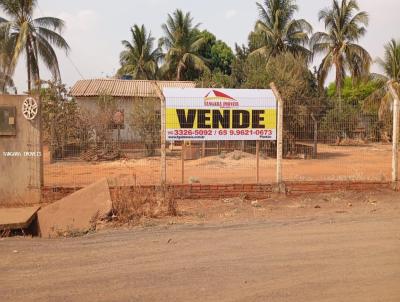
317, 145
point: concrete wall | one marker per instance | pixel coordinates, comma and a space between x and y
126, 104
20, 172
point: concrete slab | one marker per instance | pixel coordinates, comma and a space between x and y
17, 218
76, 212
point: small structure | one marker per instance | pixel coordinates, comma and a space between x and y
20, 150
17, 218
124, 92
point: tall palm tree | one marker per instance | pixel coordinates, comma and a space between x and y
33, 37
344, 25
140, 58
391, 62
277, 31
6, 56
182, 41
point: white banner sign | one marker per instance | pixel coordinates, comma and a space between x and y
220, 114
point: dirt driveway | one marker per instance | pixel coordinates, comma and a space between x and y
341, 253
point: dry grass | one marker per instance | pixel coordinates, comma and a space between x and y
132, 204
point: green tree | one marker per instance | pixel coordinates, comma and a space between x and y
344, 25
140, 58
277, 31
239, 63
182, 42
354, 93
209, 40
33, 37
221, 57
217, 53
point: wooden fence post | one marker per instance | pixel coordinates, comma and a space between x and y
395, 137
163, 164
279, 139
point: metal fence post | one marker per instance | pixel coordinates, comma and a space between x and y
395, 149
279, 144
163, 164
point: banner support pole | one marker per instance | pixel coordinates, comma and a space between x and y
395, 137
163, 163
258, 160
183, 162
279, 143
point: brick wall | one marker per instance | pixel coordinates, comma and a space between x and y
254, 191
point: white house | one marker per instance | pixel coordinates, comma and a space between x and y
123, 92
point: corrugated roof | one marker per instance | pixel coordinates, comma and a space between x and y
123, 88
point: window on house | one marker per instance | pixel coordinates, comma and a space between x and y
118, 121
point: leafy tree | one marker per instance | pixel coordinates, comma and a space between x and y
216, 79
239, 63
209, 40
298, 88
146, 124
33, 37
217, 53
354, 93
60, 117
182, 42
340, 122
344, 25
140, 57
277, 31
221, 57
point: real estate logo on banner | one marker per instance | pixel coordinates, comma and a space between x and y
199, 114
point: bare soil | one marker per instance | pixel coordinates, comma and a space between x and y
336, 247
369, 162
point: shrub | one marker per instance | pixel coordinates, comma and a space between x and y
132, 204
146, 123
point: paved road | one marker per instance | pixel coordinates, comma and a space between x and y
354, 259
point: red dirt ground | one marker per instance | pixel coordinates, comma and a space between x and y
369, 162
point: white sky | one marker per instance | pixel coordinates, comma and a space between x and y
95, 28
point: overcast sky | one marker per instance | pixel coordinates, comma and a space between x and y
95, 28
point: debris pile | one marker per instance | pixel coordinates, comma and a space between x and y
100, 154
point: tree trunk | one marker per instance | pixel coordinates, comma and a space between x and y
28, 66
339, 78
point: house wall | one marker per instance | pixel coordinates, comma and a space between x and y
20, 173
126, 104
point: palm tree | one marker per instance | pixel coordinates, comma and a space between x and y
277, 31
140, 59
344, 25
6, 55
182, 41
33, 37
391, 62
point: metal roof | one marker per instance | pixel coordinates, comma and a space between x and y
123, 88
